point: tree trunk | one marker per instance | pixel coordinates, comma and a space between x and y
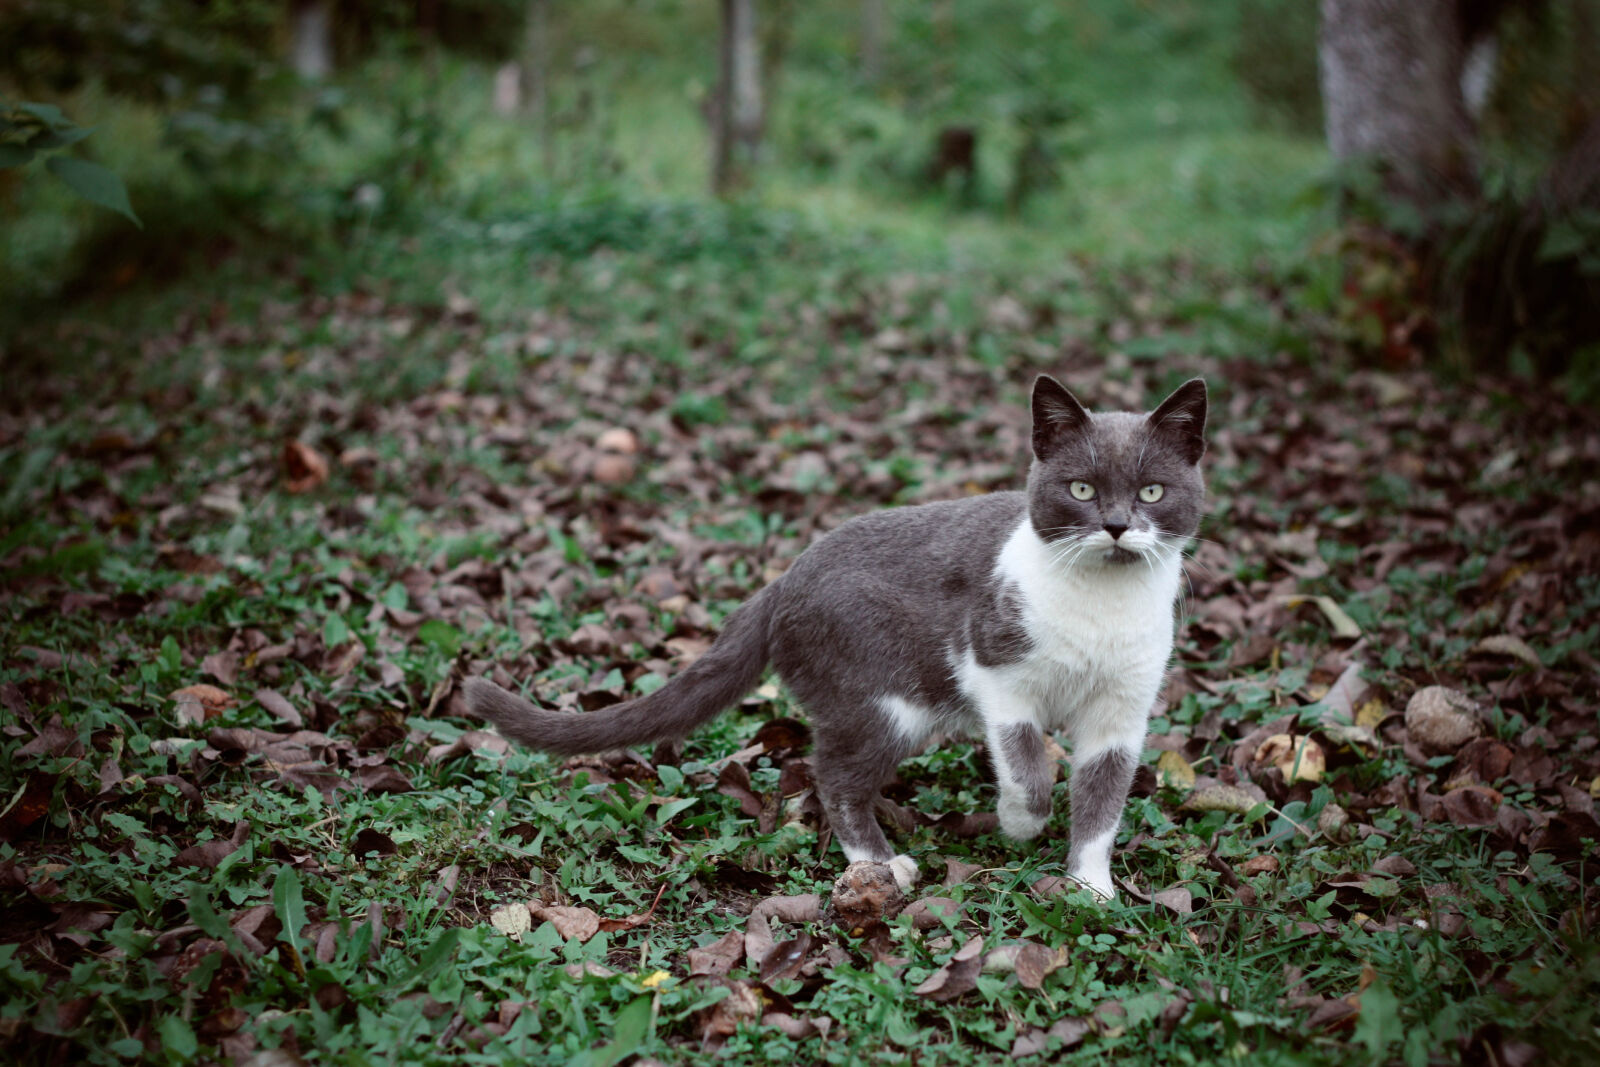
738, 117
871, 41
311, 49
1391, 91
536, 77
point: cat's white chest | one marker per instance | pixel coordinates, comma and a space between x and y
1100, 639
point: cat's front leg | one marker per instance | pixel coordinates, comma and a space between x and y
1024, 774
1101, 775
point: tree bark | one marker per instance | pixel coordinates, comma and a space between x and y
871, 41
311, 49
736, 130
1391, 90
536, 77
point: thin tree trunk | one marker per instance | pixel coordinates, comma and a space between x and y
536, 77
738, 116
312, 39
871, 41
1391, 91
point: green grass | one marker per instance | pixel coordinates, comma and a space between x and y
456, 409
453, 355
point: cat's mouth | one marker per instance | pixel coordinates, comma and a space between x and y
1122, 556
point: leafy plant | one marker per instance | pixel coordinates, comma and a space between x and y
31, 131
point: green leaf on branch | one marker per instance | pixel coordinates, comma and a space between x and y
94, 183
14, 155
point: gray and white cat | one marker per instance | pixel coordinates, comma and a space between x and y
999, 616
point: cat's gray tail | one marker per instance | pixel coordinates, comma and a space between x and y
726, 672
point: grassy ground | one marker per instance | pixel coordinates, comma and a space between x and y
309, 857
322, 481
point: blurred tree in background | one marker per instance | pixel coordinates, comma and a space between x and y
1502, 243
1124, 127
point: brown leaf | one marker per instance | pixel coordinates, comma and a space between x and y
382, 779
280, 708
1299, 758
1028, 960
743, 1004
29, 807
628, 922
865, 893
369, 840
1177, 900
468, 743
758, 940
734, 781
1441, 720
1471, 805
581, 923
1260, 865
304, 470
798, 1027
783, 960
719, 957
956, 977
223, 666
197, 703
211, 853
929, 912
1395, 867
1218, 796
54, 740
1509, 645
959, 872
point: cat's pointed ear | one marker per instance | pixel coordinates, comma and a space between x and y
1181, 419
1057, 416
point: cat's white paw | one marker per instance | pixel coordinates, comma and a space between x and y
905, 872
1102, 888
1017, 822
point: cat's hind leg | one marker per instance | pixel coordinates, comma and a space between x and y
851, 771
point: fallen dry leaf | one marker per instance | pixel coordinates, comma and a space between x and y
1509, 645
1028, 960
580, 923
719, 957
1299, 758
1441, 720
513, 920
743, 1004
865, 893
304, 470
1339, 622
1259, 865
956, 977
210, 853
279, 706
1218, 796
197, 703
1174, 771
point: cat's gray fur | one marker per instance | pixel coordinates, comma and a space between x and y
885, 607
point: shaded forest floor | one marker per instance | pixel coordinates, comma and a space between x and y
250, 544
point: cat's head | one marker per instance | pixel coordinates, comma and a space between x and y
1116, 487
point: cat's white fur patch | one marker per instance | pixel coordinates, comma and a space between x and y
912, 720
1101, 636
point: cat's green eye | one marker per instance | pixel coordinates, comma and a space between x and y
1151, 493
1082, 491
